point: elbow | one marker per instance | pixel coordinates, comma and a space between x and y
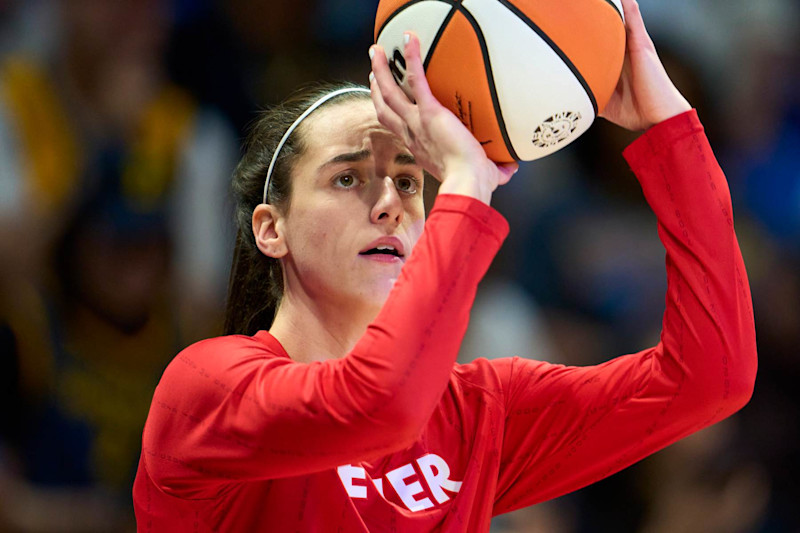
742, 360
742, 383
719, 392
403, 425
739, 381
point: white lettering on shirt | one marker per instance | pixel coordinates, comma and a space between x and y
398, 477
440, 479
347, 473
406, 483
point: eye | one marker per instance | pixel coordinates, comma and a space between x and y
406, 184
346, 181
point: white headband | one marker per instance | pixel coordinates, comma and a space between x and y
294, 125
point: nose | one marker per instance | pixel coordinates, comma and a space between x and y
388, 208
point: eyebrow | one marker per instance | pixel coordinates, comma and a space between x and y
355, 157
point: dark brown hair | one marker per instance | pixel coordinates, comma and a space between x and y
255, 287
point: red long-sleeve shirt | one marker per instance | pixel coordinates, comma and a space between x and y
397, 437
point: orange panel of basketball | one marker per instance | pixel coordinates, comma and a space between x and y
385, 9
527, 77
594, 39
458, 52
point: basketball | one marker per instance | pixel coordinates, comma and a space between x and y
527, 77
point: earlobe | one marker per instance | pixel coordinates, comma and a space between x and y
268, 231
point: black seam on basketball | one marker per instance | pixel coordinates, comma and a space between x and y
532, 25
398, 11
442, 27
487, 65
436, 38
616, 9
456, 6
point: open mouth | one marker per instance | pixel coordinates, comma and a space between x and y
382, 250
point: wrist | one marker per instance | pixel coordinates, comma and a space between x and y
466, 179
466, 186
677, 106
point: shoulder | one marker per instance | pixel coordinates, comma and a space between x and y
219, 360
239, 344
228, 348
502, 376
487, 376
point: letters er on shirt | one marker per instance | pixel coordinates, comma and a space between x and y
405, 481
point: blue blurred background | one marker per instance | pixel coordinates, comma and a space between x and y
120, 124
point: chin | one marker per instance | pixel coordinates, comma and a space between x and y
380, 291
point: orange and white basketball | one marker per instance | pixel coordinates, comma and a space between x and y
527, 77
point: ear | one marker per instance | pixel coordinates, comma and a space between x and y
268, 231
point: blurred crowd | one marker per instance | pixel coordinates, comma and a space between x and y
120, 125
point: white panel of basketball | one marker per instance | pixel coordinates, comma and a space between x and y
425, 17
544, 105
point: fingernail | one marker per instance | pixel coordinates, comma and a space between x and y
406, 38
371, 52
371, 77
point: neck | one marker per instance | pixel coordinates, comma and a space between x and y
312, 330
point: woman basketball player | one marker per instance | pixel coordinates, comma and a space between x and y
347, 412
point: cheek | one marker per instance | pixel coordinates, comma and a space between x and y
311, 239
415, 229
415, 221
315, 235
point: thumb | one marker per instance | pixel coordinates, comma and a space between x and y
507, 170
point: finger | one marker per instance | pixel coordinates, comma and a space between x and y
392, 94
507, 170
415, 71
386, 116
637, 35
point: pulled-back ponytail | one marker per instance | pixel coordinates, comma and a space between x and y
255, 287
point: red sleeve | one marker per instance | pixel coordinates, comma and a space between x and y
568, 427
228, 409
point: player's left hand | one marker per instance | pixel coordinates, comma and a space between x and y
644, 95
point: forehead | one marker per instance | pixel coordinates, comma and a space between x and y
346, 127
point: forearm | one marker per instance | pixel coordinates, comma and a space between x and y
418, 332
220, 416
708, 334
593, 421
703, 369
